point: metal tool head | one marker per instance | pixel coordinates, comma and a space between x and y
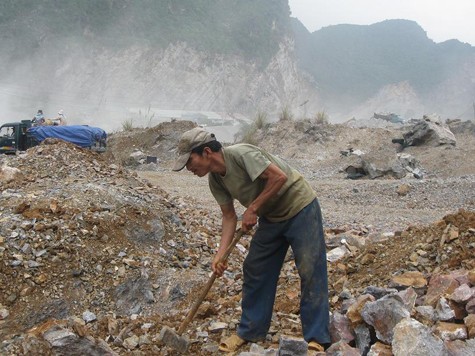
171, 338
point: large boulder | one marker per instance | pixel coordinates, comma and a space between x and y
384, 163
429, 131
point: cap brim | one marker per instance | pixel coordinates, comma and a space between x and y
180, 162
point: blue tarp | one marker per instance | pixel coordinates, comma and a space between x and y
81, 135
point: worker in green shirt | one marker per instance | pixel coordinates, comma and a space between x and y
287, 213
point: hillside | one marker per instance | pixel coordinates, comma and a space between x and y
352, 63
253, 31
107, 61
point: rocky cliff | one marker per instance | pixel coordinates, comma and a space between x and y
106, 62
110, 85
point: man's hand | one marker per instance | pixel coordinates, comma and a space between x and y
219, 267
249, 219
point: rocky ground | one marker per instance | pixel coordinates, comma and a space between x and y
99, 252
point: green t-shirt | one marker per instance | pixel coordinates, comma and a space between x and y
244, 164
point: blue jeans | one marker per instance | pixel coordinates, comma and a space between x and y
269, 245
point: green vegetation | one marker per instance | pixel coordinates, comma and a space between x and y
261, 120
321, 118
246, 134
249, 28
127, 125
146, 117
286, 114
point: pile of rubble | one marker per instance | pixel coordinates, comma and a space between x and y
158, 144
411, 294
83, 240
95, 260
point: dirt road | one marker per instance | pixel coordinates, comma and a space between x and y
373, 204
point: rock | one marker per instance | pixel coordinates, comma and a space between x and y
459, 347
384, 314
443, 310
450, 331
133, 294
7, 174
471, 277
438, 286
377, 292
427, 312
382, 163
217, 327
292, 346
409, 279
73, 215
88, 316
354, 311
470, 324
403, 189
413, 338
411, 165
408, 297
470, 306
337, 253
429, 131
59, 337
380, 349
462, 294
131, 342
340, 328
257, 350
342, 348
363, 338
4, 313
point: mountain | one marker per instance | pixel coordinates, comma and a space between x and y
252, 29
351, 63
106, 61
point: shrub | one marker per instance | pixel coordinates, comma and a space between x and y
246, 134
285, 114
260, 120
321, 117
147, 117
127, 125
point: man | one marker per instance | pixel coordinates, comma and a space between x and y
38, 119
288, 212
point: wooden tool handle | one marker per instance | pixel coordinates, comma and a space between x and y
208, 285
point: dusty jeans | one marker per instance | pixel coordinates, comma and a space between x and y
269, 245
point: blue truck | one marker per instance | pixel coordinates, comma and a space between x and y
19, 136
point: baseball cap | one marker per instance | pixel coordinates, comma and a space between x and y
189, 141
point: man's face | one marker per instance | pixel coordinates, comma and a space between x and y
198, 165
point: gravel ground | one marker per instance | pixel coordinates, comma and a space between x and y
374, 204
78, 228
447, 186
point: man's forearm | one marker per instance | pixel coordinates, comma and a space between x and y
227, 233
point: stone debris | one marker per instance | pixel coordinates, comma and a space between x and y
96, 261
429, 131
413, 338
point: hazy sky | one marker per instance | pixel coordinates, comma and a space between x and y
441, 19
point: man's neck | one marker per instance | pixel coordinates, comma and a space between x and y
218, 164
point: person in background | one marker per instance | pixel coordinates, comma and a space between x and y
60, 119
287, 213
38, 119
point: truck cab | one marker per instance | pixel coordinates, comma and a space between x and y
13, 137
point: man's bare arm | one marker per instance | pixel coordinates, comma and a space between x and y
229, 223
